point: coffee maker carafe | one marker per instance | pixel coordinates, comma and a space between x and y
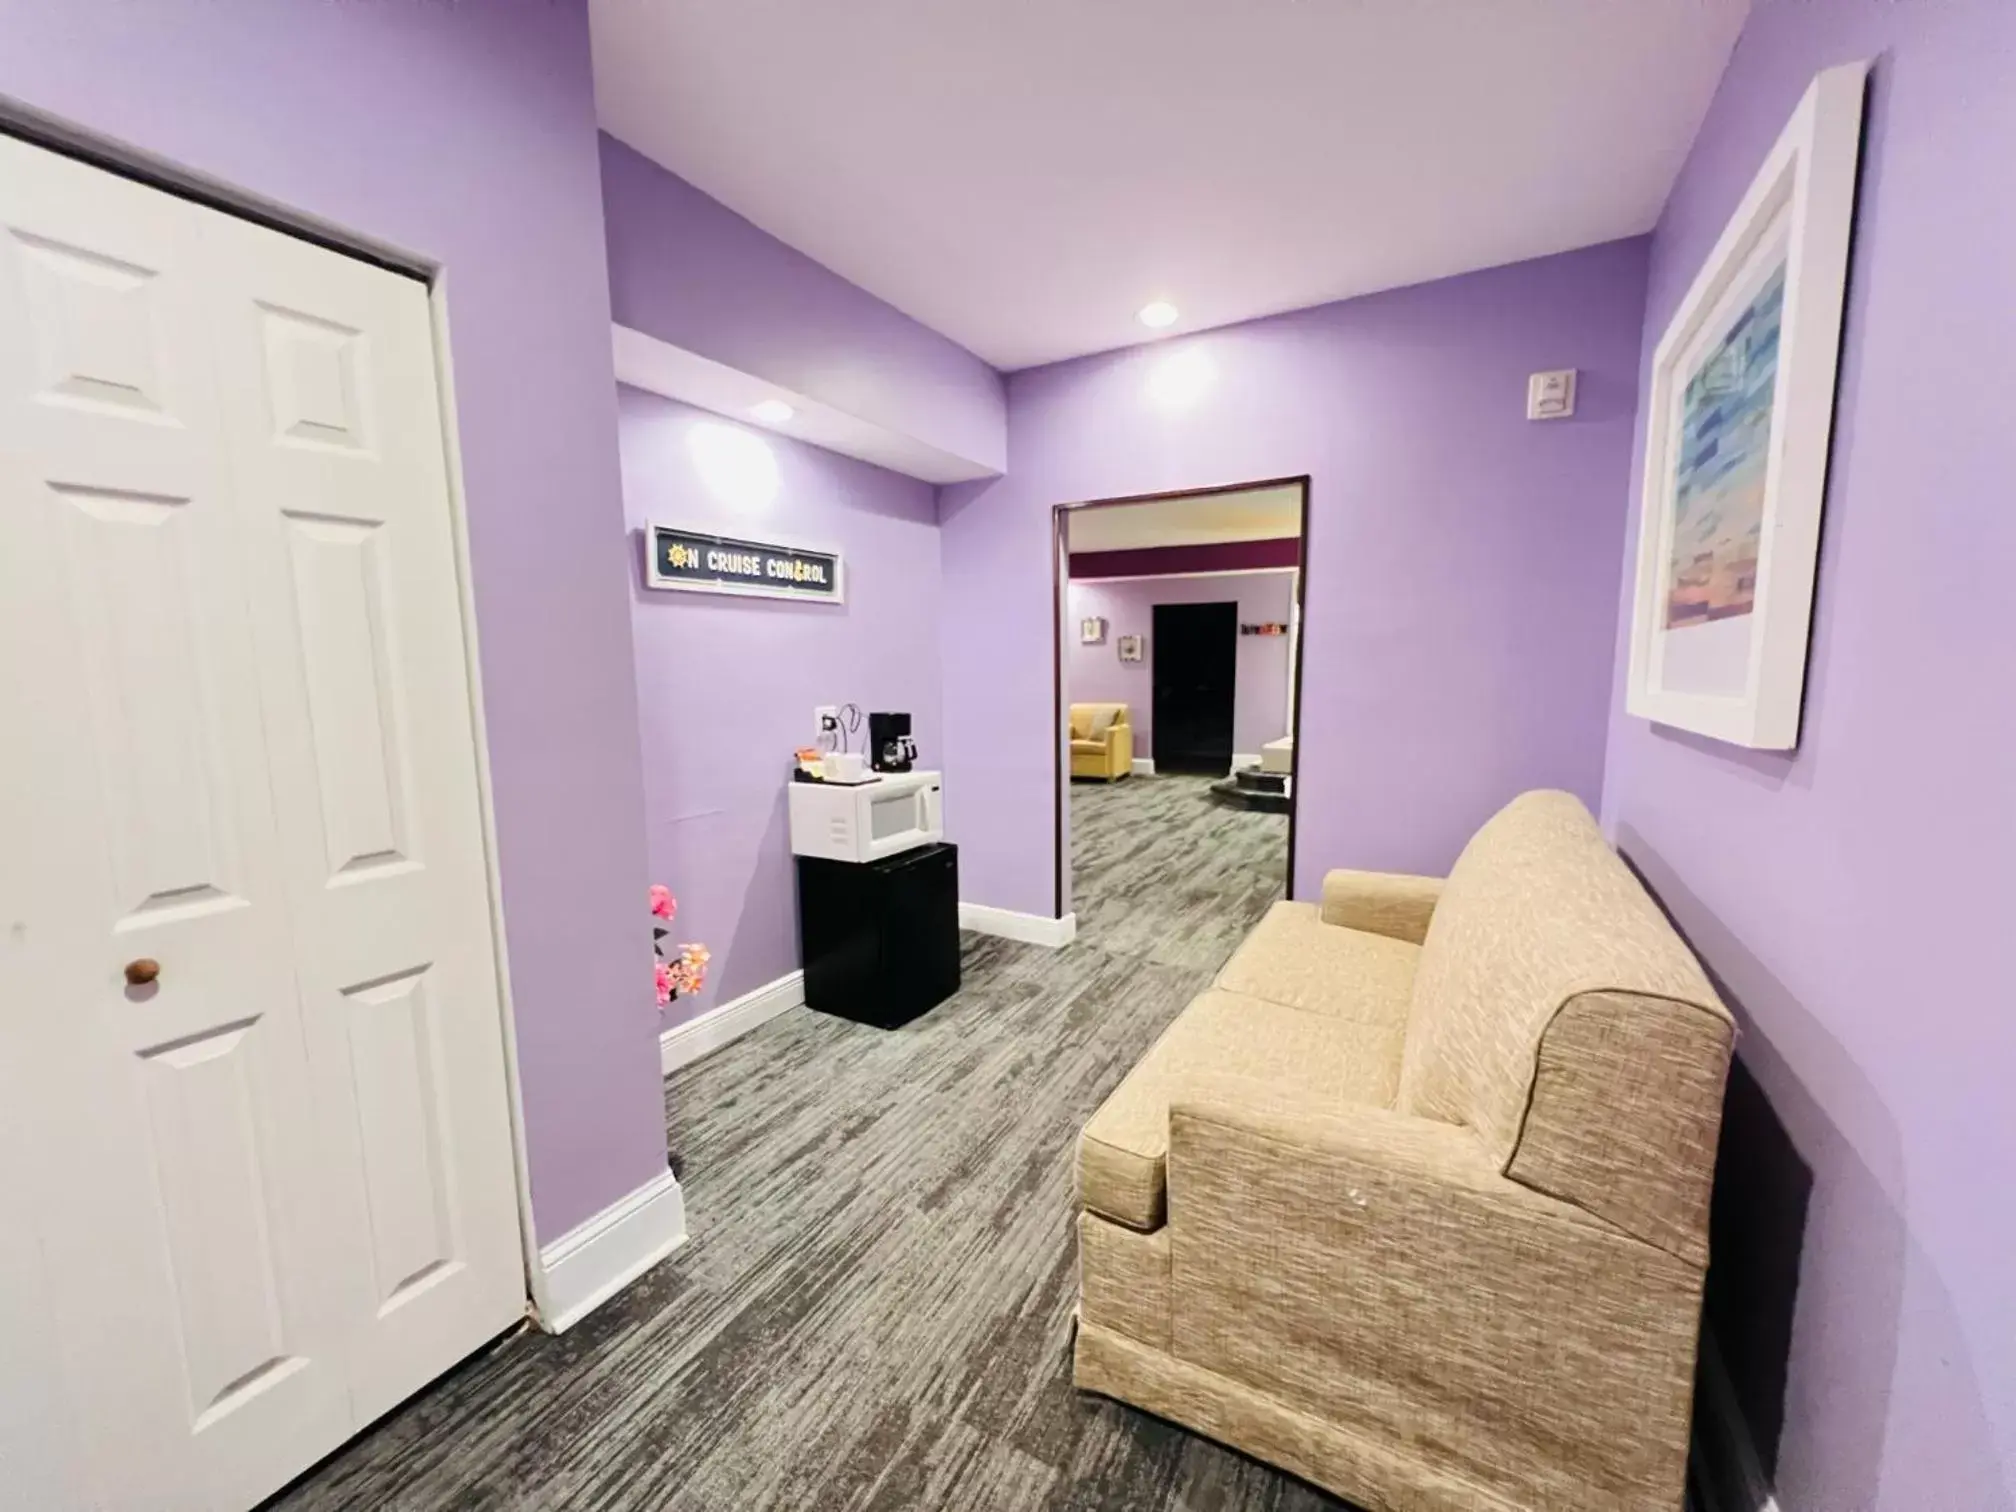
890, 747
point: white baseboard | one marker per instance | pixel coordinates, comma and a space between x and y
1030, 929
1144, 766
1728, 1476
588, 1265
685, 1043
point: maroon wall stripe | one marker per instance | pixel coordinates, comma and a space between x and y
1216, 556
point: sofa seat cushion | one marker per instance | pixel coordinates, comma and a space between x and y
1228, 1048
1292, 957
1088, 747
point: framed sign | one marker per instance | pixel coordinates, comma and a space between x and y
693, 561
1739, 414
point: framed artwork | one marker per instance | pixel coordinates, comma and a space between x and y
1740, 409
1091, 631
1130, 648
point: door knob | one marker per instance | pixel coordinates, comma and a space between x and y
139, 973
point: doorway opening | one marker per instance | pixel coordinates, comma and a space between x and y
1178, 686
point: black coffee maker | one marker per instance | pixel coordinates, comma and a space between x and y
890, 748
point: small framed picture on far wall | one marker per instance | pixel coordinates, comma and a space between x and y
1130, 648
1091, 630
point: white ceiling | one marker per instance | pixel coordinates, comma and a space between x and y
1254, 514
1023, 175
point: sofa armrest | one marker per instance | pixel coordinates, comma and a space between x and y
1386, 903
1120, 747
1377, 1269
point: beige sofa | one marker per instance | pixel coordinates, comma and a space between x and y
1102, 741
1413, 1201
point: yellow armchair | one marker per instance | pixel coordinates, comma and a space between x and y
1102, 742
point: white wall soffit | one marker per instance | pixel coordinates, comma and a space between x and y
645, 362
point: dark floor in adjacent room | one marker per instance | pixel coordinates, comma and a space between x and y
874, 1310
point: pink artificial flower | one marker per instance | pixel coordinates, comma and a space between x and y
663, 976
663, 904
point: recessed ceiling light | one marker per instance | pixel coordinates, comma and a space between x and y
1159, 314
773, 412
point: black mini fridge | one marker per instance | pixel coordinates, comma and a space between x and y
880, 939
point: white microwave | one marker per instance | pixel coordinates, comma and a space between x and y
866, 821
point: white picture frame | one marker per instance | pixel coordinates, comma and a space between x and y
1715, 649
1091, 630
1130, 648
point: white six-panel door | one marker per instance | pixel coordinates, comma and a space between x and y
340, 481
273, 1191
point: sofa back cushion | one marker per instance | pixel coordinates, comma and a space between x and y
1557, 1013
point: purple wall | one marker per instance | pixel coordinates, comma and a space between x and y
1462, 560
1215, 556
1856, 898
1095, 674
690, 271
467, 134
727, 686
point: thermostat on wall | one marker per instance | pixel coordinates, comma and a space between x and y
1551, 396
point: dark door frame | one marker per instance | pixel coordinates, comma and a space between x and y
1060, 566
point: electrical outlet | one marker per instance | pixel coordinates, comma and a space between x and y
828, 717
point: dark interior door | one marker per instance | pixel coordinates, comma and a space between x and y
1194, 653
